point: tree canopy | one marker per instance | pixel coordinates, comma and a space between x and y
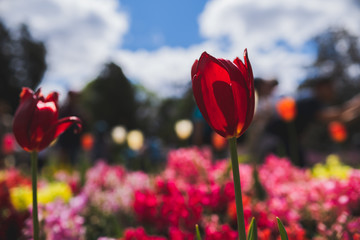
22, 61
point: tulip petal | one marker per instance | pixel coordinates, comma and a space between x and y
241, 105
58, 128
194, 68
45, 115
52, 97
214, 96
26, 93
241, 95
38, 94
23, 119
226, 105
246, 71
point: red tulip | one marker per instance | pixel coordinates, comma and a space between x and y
224, 93
36, 122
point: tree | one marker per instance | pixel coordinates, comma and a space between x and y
338, 59
173, 109
338, 56
22, 61
111, 98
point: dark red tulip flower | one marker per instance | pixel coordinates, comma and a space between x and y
36, 122
224, 93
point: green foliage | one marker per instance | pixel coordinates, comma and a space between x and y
111, 98
22, 61
283, 234
337, 58
100, 224
171, 110
336, 51
259, 190
198, 236
252, 234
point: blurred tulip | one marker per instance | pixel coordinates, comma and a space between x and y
36, 122
184, 129
224, 93
118, 134
135, 140
337, 131
8, 144
286, 107
231, 209
87, 141
218, 142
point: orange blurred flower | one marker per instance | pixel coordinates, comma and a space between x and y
356, 236
231, 210
337, 131
87, 141
286, 108
218, 142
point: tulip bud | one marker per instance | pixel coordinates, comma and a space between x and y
36, 122
224, 93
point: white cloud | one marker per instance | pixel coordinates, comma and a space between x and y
261, 25
258, 25
81, 35
161, 70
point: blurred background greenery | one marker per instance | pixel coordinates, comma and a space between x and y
111, 100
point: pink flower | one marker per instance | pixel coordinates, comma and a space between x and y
8, 143
145, 206
60, 220
139, 234
220, 232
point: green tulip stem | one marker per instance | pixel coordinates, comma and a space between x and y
237, 186
34, 159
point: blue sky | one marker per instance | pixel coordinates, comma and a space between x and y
156, 42
162, 22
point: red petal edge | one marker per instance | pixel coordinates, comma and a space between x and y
58, 128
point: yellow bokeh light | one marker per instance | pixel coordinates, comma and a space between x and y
184, 129
135, 140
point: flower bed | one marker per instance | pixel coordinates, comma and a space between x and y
318, 203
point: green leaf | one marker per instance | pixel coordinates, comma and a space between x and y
259, 189
252, 234
282, 230
198, 236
